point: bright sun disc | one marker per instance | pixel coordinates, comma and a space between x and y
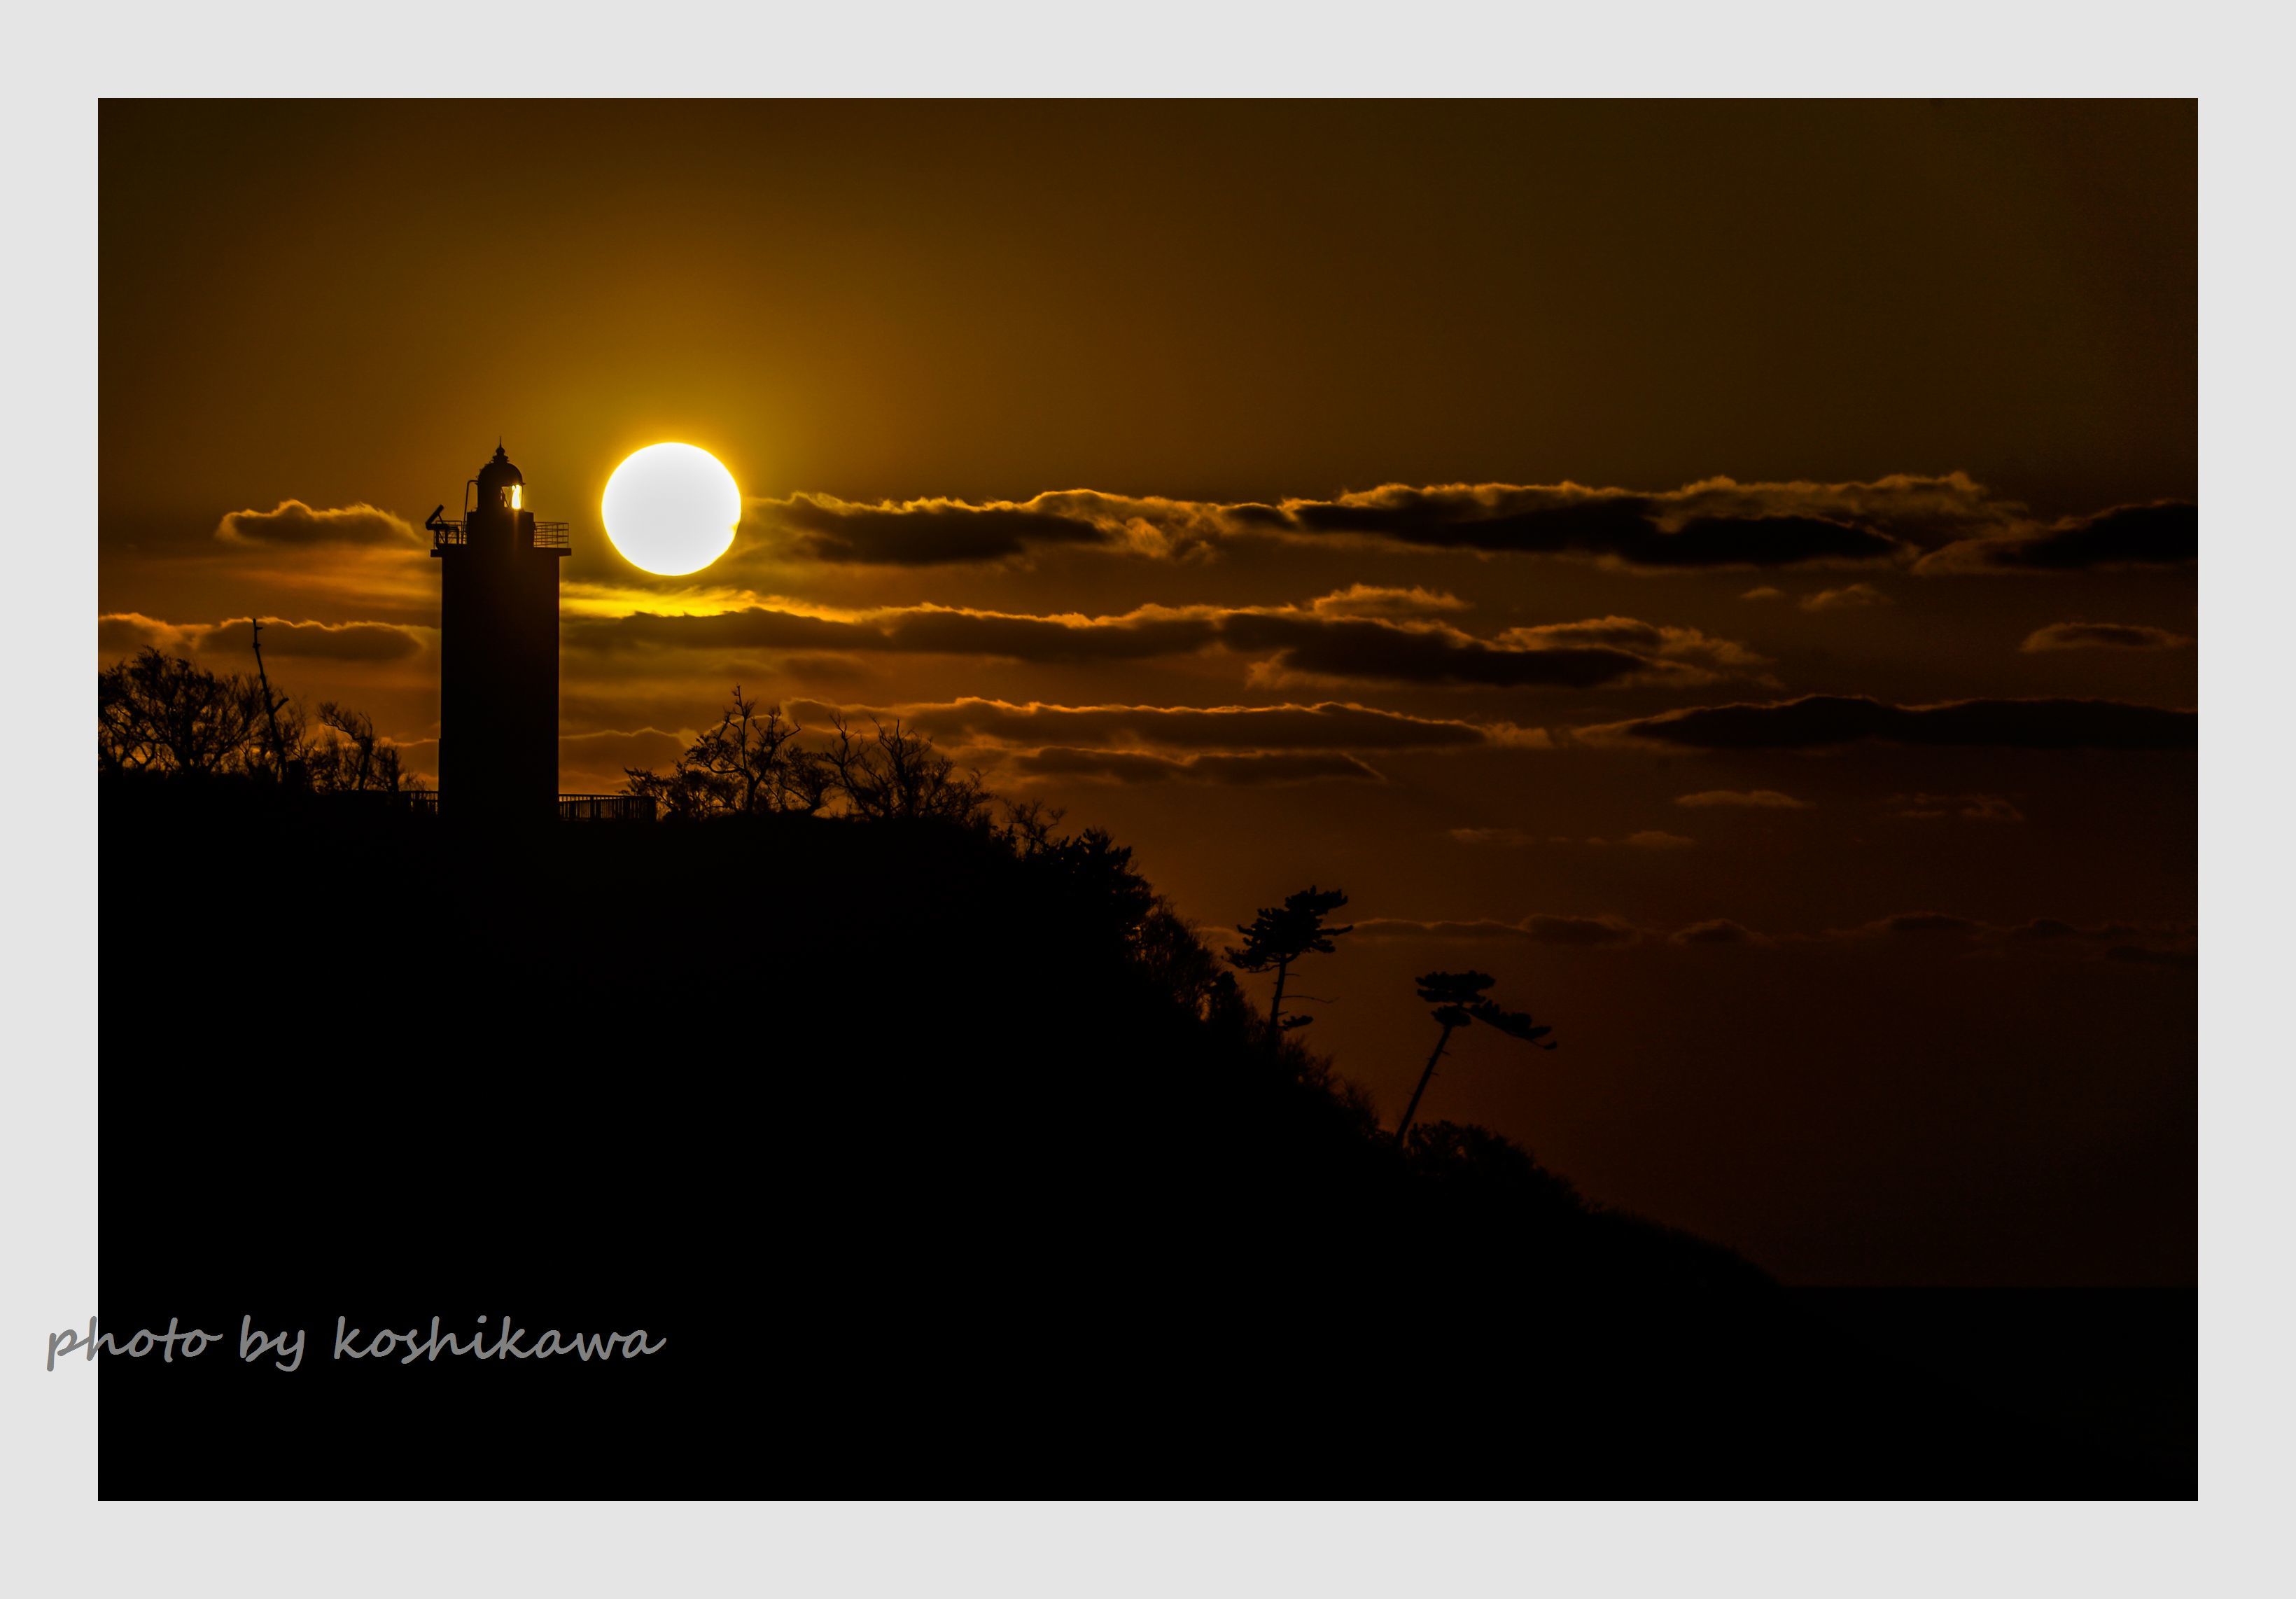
672, 509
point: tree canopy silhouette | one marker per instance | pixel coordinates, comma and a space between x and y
1459, 1000
163, 716
751, 764
159, 713
355, 760
898, 775
1281, 934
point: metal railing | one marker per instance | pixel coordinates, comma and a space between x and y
547, 535
418, 802
605, 808
571, 807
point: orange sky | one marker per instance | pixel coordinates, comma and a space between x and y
1492, 430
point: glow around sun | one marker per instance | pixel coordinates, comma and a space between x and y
672, 509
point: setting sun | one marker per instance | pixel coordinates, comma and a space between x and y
672, 509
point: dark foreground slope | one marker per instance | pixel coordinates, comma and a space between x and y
938, 1174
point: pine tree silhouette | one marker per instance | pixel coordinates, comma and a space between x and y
1277, 937
1458, 998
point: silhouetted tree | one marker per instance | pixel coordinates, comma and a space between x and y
1458, 998
753, 749
1275, 937
751, 764
162, 715
159, 713
898, 775
353, 760
684, 793
1028, 826
286, 744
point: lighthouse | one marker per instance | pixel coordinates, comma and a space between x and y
498, 651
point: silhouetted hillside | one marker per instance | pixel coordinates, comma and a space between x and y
945, 1156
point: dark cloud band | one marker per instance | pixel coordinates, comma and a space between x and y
2101, 636
2165, 533
122, 633
1133, 766
1714, 525
1821, 720
1328, 726
1304, 641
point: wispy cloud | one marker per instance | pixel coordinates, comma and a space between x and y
1330, 725
1818, 721
1742, 800
2101, 636
1956, 807
1855, 596
1585, 932
1133, 767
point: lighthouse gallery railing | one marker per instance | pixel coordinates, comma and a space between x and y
547, 535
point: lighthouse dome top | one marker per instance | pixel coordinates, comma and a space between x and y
496, 477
